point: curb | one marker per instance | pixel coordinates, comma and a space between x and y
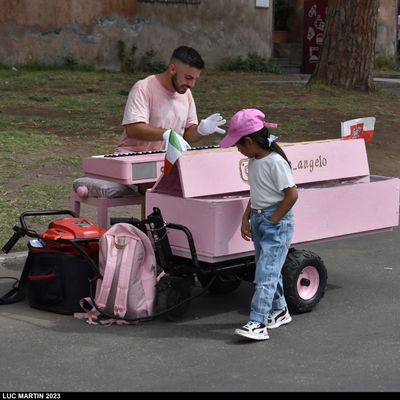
388, 76
13, 261
385, 79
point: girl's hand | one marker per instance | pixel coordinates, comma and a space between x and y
245, 229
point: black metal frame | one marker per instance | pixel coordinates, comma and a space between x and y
176, 265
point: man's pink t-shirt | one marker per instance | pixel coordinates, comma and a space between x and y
151, 103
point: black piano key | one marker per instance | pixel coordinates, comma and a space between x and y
139, 153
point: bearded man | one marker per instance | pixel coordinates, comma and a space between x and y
164, 101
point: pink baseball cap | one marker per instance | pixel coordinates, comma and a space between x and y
244, 123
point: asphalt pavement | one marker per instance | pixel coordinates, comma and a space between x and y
349, 342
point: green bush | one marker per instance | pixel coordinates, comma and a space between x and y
253, 63
128, 61
148, 62
69, 64
387, 62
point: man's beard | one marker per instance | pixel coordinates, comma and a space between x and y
179, 89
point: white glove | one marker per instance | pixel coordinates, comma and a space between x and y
211, 124
184, 144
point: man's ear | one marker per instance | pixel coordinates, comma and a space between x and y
172, 69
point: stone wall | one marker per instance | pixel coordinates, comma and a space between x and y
88, 32
53, 31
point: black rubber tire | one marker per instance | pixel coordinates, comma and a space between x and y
172, 290
223, 283
296, 262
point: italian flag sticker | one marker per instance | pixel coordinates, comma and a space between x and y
174, 151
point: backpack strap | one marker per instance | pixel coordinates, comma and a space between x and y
104, 286
13, 296
17, 293
121, 297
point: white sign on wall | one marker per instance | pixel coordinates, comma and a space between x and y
262, 3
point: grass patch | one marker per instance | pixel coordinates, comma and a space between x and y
72, 125
75, 161
44, 196
19, 142
35, 197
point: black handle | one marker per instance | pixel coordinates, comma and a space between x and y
19, 233
41, 213
190, 240
126, 220
23, 229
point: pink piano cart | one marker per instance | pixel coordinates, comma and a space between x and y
204, 197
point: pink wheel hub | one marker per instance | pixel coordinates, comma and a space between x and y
308, 283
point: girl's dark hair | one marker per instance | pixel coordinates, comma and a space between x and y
261, 138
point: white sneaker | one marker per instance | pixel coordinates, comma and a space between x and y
278, 317
253, 330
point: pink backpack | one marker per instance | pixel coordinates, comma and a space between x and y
127, 290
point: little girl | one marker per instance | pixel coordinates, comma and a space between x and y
268, 218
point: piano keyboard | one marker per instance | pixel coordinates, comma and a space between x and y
129, 168
139, 153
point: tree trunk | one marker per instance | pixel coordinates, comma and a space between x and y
348, 51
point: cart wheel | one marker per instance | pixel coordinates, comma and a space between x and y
304, 280
172, 290
223, 283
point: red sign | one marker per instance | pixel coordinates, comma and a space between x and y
314, 28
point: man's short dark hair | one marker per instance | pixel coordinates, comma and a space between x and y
188, 56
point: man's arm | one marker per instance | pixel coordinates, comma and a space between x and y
143, 131
191, 135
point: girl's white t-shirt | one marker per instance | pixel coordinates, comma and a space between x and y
268, 177
151, 103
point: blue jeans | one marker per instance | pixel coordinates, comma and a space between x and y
271, 242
